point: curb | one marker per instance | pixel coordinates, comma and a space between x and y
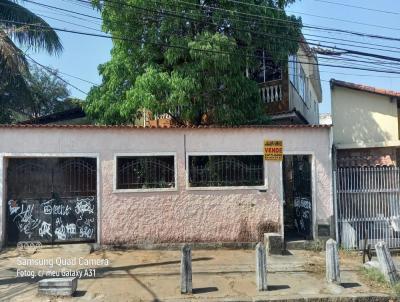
350, 298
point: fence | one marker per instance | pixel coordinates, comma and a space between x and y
368, 206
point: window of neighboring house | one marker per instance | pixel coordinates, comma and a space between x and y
298, 78
266, 70
301, 83
226, 171
293, 69
273, 71
145, 172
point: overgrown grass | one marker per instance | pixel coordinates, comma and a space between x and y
316, 246
375, 276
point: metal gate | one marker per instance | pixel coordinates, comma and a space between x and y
368, 206
297, 196
51, 200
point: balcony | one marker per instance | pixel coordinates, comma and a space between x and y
271, 92
274, 96
281, 98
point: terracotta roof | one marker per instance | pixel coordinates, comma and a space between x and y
365, 88
46, 126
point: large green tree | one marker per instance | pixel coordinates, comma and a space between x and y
43, 93
18, 24
193, 59
19, 27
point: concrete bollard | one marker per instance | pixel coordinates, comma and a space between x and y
58, 286
261, 267
332, 262
186, 270
386, 263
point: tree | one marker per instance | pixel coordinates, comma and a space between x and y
193, 59
44, 94
15, 25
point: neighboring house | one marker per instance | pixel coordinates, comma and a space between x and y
366, 124
292, 95
75, 116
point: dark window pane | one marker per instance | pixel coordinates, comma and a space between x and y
145, 172
42, 177
226, 171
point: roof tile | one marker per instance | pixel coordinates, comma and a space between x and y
364, 88
56, 126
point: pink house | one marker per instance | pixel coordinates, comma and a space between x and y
121, 185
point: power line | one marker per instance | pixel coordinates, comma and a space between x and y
68, 22
99, 24
54, 73
331, 59
313, 15
318, 16
191, 48
360, 34
359, 7
175, 14
311, 35
264, 34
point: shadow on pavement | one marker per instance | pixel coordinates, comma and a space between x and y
79, 293
203, 290
278, 287
350, 284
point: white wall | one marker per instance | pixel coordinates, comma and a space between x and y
363, 119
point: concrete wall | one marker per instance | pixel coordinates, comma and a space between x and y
182, 215
363, 119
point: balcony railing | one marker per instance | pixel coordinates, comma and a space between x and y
271, 93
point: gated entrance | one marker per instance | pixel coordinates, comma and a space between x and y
368, 206
298, 197
51, 200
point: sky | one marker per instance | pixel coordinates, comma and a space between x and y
83, 54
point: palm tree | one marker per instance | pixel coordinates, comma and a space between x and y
16, 25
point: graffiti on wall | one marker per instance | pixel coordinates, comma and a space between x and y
303, 216
52, 220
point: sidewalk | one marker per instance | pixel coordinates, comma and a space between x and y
218, 275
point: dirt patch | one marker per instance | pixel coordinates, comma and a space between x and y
315, 263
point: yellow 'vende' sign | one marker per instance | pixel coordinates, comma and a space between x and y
273, 150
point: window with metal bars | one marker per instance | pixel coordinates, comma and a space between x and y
226, 171
145, 172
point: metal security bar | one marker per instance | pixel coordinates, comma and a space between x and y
145, 172
368, 206
226, 171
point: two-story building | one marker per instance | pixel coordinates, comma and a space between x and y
366, 125
293, 95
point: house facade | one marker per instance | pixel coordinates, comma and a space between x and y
366, 125
63, 183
